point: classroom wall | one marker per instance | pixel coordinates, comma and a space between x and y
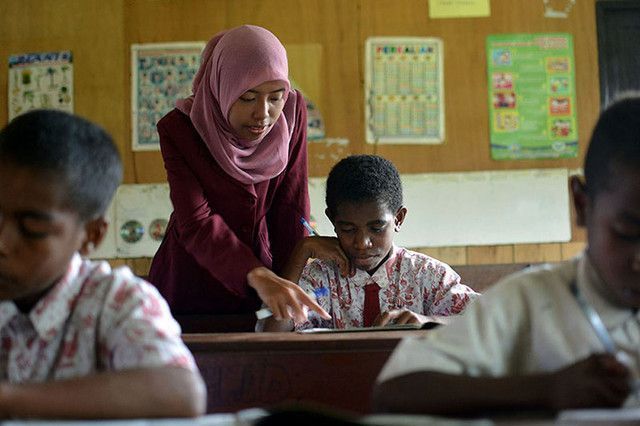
325, 39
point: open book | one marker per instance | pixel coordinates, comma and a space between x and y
390, 327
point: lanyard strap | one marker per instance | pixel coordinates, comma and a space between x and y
594, 319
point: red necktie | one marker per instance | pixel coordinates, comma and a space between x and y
371, 303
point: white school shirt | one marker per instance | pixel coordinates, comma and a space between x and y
528, 323
408, 280
94, 319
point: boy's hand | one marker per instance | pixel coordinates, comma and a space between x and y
597, 381
285, 299
405, 316
328, 248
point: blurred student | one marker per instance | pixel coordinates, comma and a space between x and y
551, 337
79, 340
361, 278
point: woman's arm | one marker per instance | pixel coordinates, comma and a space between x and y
203, 232
291, 200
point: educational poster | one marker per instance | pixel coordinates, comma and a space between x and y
142, 213
40, 80
532, 98
160, 75
404, 101
315, 122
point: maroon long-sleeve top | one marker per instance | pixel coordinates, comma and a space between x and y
220, 229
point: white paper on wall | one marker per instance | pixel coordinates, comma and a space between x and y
475, 208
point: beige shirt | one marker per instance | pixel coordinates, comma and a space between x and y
530, 322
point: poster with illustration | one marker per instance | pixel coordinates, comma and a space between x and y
532, 98
40, 80
404, 102
160, 75
141, 217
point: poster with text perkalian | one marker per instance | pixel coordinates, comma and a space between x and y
404, 90
40, 80
161, 73
532, 98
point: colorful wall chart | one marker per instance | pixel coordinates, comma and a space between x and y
40, 80
532, 99
404, 100
160, 75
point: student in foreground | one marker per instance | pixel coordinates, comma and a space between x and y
528, 343
361, 278
79, 340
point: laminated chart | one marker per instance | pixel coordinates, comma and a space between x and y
160, 75
40, 80
404, 101
532, 98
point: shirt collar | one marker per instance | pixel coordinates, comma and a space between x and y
592, 287
381, 276
48, 315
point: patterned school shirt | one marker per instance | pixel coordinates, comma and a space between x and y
407, 280
94, 319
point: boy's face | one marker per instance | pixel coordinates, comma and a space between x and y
38, 235
612, 220
365, 231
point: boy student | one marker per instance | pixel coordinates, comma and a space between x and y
368, 281
77, 339
552, 337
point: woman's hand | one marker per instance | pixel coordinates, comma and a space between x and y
285, 299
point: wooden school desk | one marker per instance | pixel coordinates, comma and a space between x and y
243, 370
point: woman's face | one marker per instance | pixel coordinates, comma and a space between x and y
257, 109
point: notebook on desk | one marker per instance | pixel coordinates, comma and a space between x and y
391, 327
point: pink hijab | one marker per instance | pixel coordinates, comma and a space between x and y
233, 62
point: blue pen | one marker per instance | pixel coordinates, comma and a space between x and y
307, 225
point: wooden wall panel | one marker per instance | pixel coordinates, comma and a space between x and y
93, 31
100, 34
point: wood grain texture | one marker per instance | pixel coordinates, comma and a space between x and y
327, 55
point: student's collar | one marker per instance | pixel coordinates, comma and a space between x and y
592, 287
381, 276
48, 315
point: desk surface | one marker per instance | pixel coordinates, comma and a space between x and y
298, 341
337, 370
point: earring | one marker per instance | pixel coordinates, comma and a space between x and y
89, 247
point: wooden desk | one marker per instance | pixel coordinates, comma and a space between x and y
245, 370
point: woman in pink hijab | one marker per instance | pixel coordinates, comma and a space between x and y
236, 159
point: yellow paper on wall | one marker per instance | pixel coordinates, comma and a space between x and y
458, 8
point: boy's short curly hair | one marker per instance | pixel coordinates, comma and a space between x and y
79, 153
363, 178
615, 141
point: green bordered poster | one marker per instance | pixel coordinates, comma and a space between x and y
532, 100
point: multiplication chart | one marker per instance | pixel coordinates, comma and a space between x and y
404, 100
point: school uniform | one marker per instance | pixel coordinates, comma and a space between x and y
408, 280
529, 323
221, 229
94, 319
